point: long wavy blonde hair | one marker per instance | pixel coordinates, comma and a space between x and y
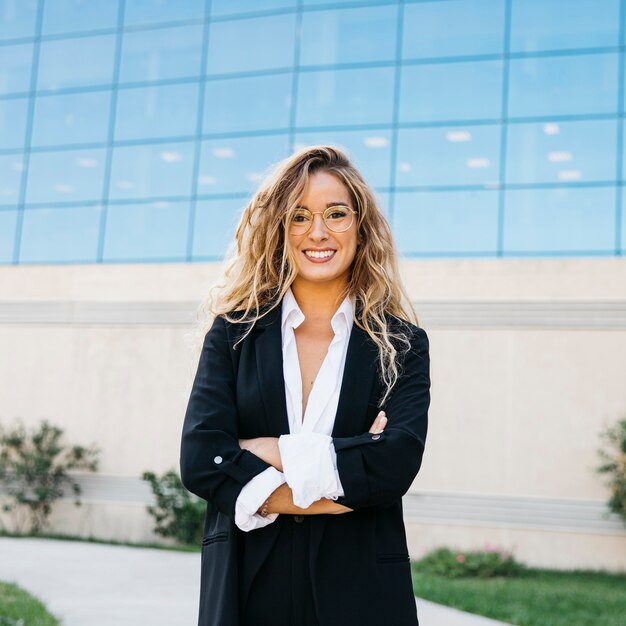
260, 267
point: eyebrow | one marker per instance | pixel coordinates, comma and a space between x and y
328, 205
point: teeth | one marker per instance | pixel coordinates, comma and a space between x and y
319, 255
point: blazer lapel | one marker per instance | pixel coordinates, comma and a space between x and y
356, 385
269, 366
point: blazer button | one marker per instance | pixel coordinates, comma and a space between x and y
217, 460
298, 518
376, 437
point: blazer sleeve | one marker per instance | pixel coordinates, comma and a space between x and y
212, 464
377, 470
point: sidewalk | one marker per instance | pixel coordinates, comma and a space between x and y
89, 584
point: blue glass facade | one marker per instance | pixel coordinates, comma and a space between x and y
134, 130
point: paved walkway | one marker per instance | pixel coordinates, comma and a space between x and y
88, 584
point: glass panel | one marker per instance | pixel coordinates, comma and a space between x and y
561, 152
76, 62
152, 170
228, 106
17, 18
342, 2
336, 97
453, 28
13, 123
157, 230
62, 234
139, 12
72, 118
15, 68
11, 166
370, 150
232, 7
8, 219
563, 85
446, 222
451, 91
73, 16
238, 164
348, 35
215, 224
65, 176
563, 24
452, 155
158, 111
383, 200
161, 54
559, 220
251, 44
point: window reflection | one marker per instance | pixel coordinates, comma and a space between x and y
451, 155
559, 220
138, 12
15, 68
8, 220
238, 164
461, 27
148, 171
150, 231
11, 167
13, 123
563, 85
76, 62
451, 91
67, 234
228, 106
370, 150
345, 97
160, 54
73, 16
563, 24
232, 7
444, 222
65, 176
561, 152
231, 43
17, 18
158, 111
215, 224
348, 35
71, 118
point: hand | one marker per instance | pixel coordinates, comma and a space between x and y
379, 423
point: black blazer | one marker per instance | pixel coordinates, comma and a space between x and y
359, 560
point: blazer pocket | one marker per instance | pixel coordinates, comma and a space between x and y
215, 538
392, 558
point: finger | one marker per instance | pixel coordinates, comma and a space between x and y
378, 422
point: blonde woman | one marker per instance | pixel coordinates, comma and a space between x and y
307, 418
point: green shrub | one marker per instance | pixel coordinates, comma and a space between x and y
34, 466
178, 513
614, 466
479, 563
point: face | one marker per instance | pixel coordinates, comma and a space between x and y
322, 255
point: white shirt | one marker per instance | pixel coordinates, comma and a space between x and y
307, 453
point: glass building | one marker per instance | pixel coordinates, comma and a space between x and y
134, 130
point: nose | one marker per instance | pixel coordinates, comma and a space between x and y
318, 228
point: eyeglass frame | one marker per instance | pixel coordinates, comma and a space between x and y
312, 213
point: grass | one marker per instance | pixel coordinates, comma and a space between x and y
535, 598
18, 607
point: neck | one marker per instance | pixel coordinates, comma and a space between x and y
319, 300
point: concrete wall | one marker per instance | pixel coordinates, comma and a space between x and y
528, 365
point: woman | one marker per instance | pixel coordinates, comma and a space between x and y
308, 414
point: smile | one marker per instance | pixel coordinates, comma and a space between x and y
319, 256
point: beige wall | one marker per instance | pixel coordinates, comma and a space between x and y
528, 363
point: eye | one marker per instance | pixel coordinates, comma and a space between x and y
337, 213
301, 217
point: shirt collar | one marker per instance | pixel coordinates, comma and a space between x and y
293, 316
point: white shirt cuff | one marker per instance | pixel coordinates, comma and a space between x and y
253, 495
310, 467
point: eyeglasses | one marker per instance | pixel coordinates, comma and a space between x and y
337, 218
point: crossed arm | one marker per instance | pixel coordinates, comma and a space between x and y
281, 500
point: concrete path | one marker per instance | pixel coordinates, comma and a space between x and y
88, 584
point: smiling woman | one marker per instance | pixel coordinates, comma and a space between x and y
307, 419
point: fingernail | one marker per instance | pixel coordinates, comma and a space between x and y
383, 419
